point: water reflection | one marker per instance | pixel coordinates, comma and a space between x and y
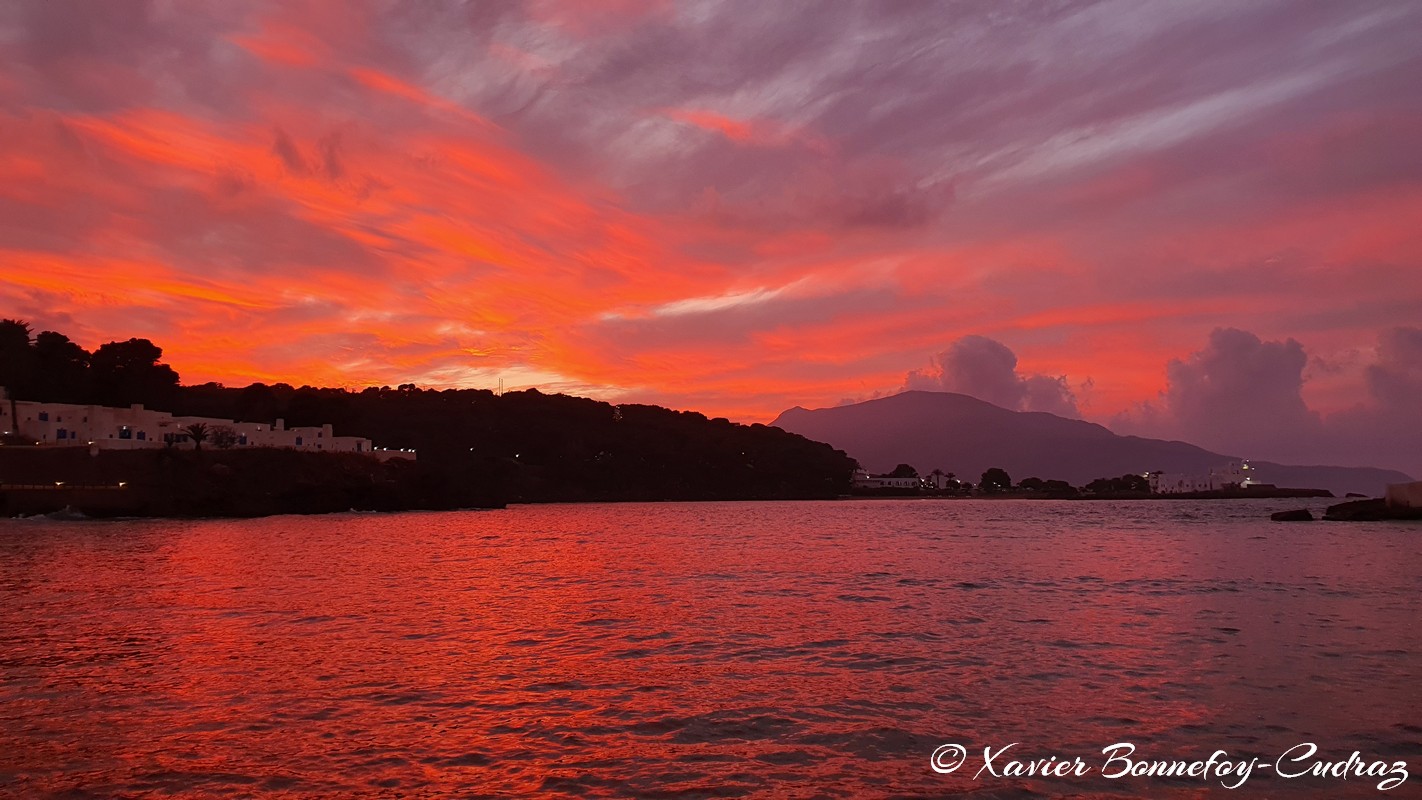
796, 649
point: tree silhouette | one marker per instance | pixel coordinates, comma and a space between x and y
128, 372
257, 402
475, 445
16, 365
996, 480
199, 432
1125, 483
223, 437
61, 369
904, 471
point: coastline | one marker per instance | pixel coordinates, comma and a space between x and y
219, 484
1259, 494
238, 484
186, 484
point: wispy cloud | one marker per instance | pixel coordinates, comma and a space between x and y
736, 206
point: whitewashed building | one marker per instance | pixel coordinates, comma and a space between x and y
863, 480
136, 428
1234, 475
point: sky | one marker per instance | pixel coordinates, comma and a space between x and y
1196, 220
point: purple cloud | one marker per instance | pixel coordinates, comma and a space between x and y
1244, 396
987, 369
1241, 393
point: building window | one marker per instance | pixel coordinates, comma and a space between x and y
44, 416
125, 433
61, 434
242, 439
298, 441
142, 436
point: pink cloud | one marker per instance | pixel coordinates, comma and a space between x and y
372, 193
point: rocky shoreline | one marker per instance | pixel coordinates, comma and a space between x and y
218, 483
1368, 510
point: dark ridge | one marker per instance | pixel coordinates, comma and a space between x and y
964, 435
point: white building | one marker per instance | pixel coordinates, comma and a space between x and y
863, 480
135, 428
1234, 475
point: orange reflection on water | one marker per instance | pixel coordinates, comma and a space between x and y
709, 648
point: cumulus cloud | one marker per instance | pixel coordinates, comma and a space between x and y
1244, 396
1395, 381
1385, 431
987, 369
1241, 392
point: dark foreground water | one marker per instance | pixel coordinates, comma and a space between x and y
706, 650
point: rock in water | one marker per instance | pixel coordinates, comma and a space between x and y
1297, 515
1358, 511
1404, 500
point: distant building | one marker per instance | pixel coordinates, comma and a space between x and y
1234, 475
863, 480
137, 428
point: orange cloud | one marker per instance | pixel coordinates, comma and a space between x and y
763, 133
309, 208
285, 45
732, 129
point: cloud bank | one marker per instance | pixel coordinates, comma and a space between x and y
1245, 396
734, 207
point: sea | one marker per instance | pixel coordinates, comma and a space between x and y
860, 648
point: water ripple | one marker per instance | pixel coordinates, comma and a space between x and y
697, 650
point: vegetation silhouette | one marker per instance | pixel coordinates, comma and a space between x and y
474, 447
197, 433
995, 480
16, 366
1137, 484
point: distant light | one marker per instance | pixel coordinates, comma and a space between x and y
122, 484
59, 483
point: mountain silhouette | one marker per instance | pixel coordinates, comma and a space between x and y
966, 436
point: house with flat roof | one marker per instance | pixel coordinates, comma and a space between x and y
136, 428
1234, 475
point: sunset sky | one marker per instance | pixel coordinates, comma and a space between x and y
1188, 219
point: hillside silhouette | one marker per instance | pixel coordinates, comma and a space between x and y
961, 434
473, 445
